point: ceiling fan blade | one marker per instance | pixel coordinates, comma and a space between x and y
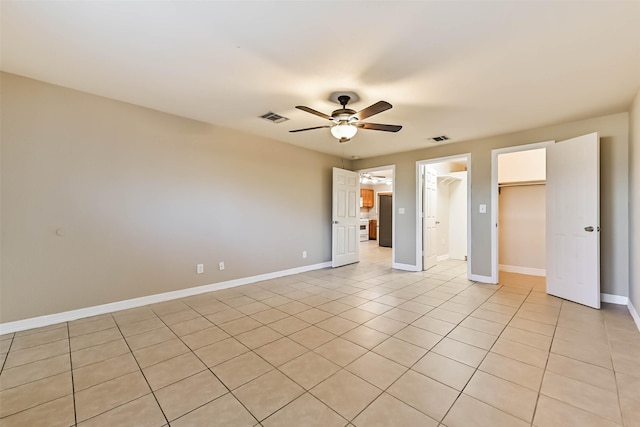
376, 108
377, 126
312, 111
316, 127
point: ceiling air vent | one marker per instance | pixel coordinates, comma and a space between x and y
273, 117
439, 138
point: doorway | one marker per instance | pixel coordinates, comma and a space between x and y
519, 211
377, 186
572, 240
443, 224
522, 214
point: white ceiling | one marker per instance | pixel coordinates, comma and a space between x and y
461, 69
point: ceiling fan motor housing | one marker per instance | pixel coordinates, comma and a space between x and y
343, 115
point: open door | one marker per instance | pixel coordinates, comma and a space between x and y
573, 220
429, 199
345, 226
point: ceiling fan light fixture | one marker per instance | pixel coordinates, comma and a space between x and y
345, 121
344, 131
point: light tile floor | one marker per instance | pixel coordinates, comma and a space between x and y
361, 345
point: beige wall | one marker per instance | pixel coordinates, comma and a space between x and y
634, 204
141, 197
522, 166
614, 152
522, 226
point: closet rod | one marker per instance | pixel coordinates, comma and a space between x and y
521, 184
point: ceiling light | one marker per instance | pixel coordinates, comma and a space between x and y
343, 131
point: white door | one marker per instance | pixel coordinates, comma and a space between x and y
429, 198
573, 220
345, 218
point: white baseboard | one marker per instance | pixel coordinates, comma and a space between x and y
481, 279
634, 314
523, 270
442, 257
406, 267
614, 299
52, 319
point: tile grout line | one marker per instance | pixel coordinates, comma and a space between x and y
141, 372
615, 376
411, 367
48, 376
73, 386
588, 363
477, 368
297, 357
546, 364
342, 368
457, 324
4, 362
207, 368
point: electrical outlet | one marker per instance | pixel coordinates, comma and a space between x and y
221, 265
304, 254
200, 268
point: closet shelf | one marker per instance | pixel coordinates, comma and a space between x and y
447, 179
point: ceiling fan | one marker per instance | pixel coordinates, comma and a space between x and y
369, 176
346, 121
366, 178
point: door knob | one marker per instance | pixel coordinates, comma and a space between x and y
335, 222
589, 229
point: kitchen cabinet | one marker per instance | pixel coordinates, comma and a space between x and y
373, 229
367, 197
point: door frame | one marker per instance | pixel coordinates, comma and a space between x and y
494, 197
419, 192
393, 206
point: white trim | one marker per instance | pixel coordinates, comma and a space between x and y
52, 319
419, 249
482, 279
523, 270
442, 257
634, 314
407, 267
494, 197
614, 299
